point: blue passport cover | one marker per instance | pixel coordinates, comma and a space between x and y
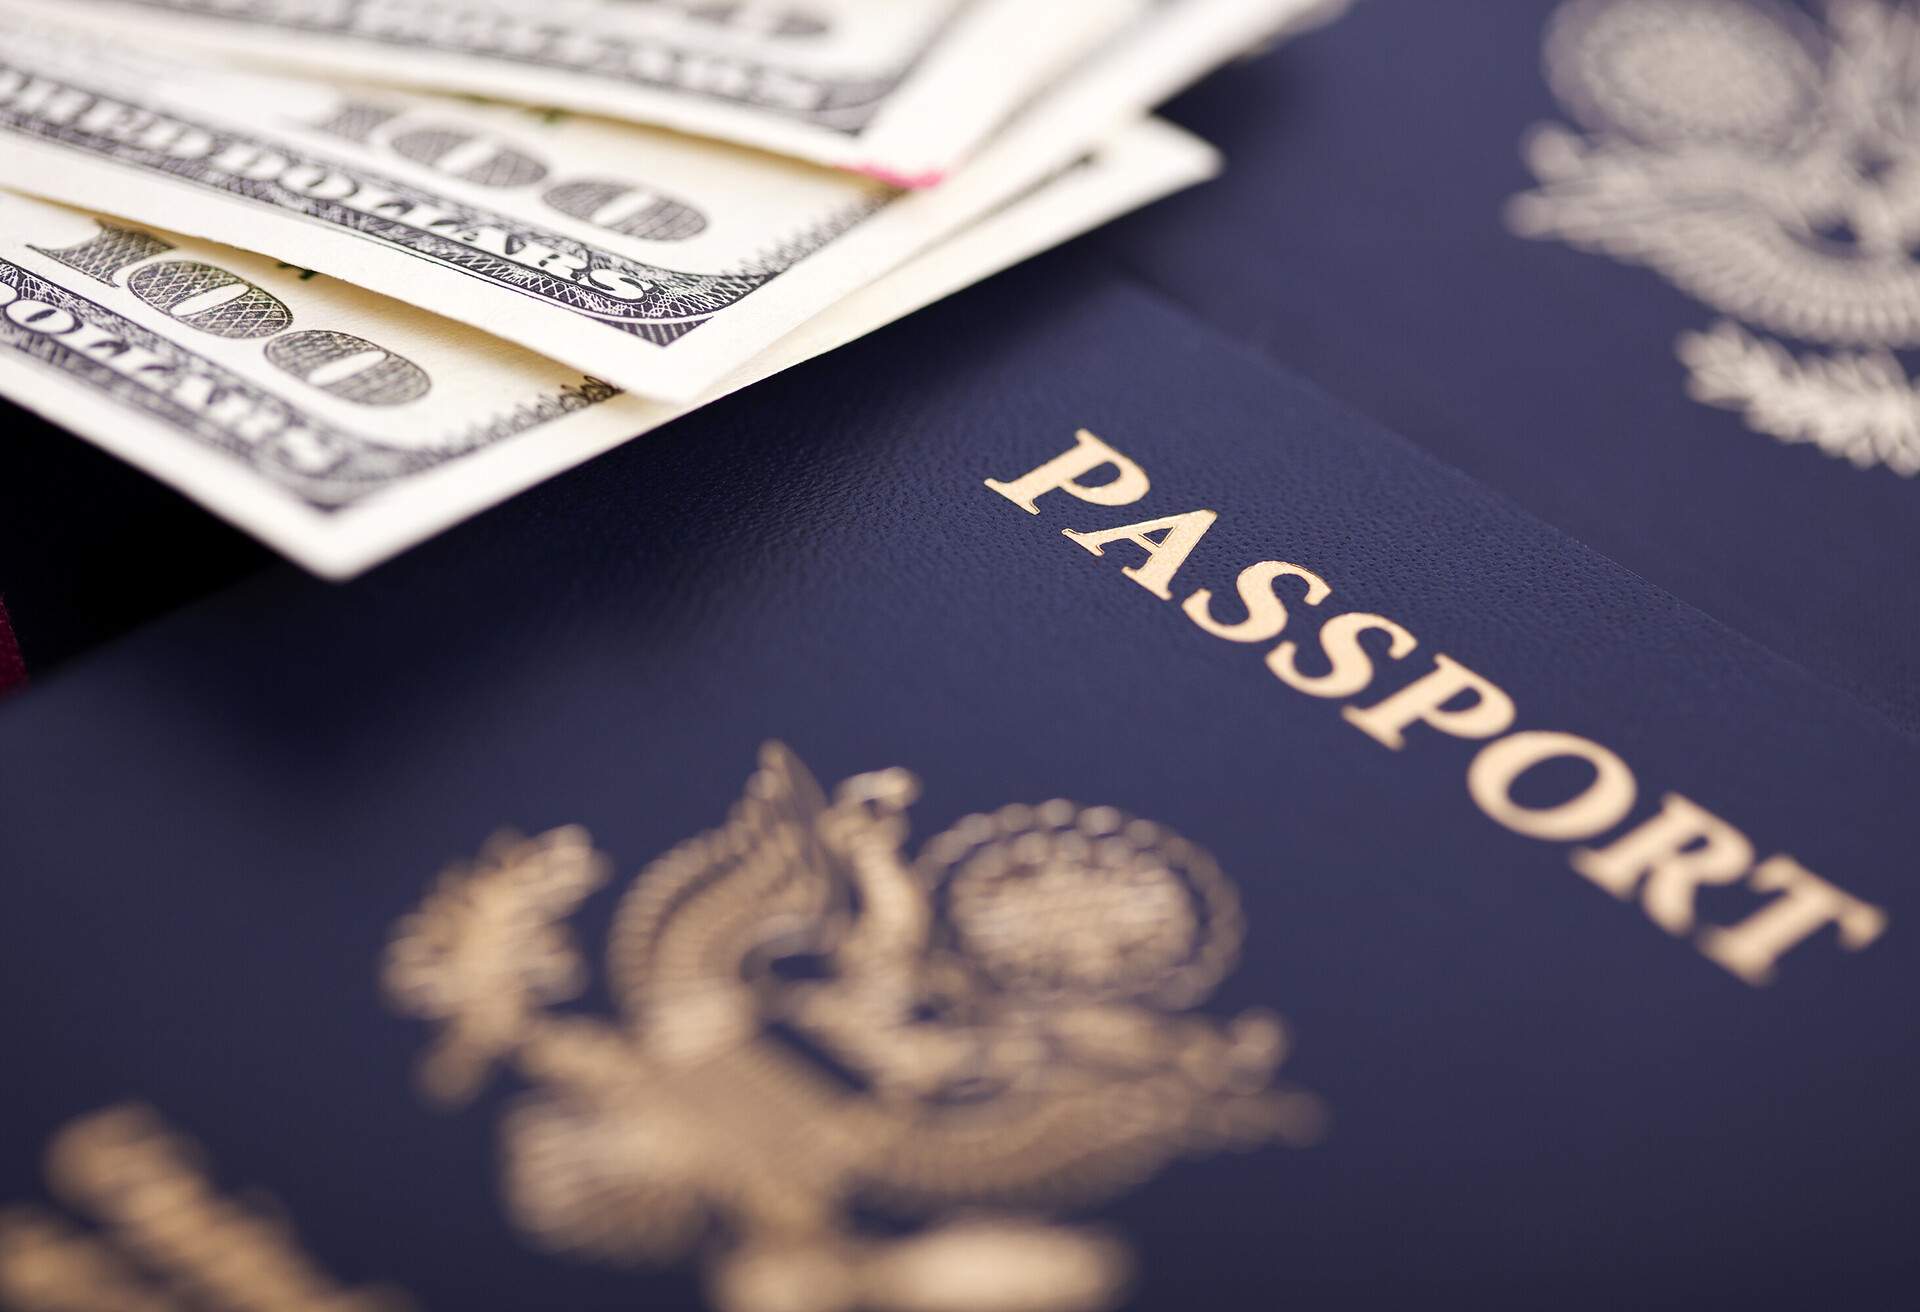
1645, 266
1440, 911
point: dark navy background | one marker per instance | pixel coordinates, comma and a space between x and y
1357, 237
1540, 1099
91, 547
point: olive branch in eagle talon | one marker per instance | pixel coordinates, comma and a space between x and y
811, 1024
485, 952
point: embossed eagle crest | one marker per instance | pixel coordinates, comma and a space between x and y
1768, 165
847, 1079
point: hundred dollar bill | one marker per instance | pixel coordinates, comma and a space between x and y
644, 257
341, 426
901, 89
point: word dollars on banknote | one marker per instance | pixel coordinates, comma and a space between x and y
342, 426
647, 258
901, 89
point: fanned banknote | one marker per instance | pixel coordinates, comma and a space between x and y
650, 259
901, 89
341, 426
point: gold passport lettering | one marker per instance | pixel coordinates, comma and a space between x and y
1661, 862
168, 1242
816, 1030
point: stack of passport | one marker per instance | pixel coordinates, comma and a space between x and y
1351, 740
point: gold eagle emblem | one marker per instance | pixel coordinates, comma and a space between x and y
815, 1032
1767, 165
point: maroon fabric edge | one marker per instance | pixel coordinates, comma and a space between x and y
13, 668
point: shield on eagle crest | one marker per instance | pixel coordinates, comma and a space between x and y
814, 1029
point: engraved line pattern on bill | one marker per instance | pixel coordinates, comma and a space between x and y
651, 303
326, 466
838, 104
435, 411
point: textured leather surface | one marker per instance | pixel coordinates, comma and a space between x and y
1538, 1097
1357, 236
